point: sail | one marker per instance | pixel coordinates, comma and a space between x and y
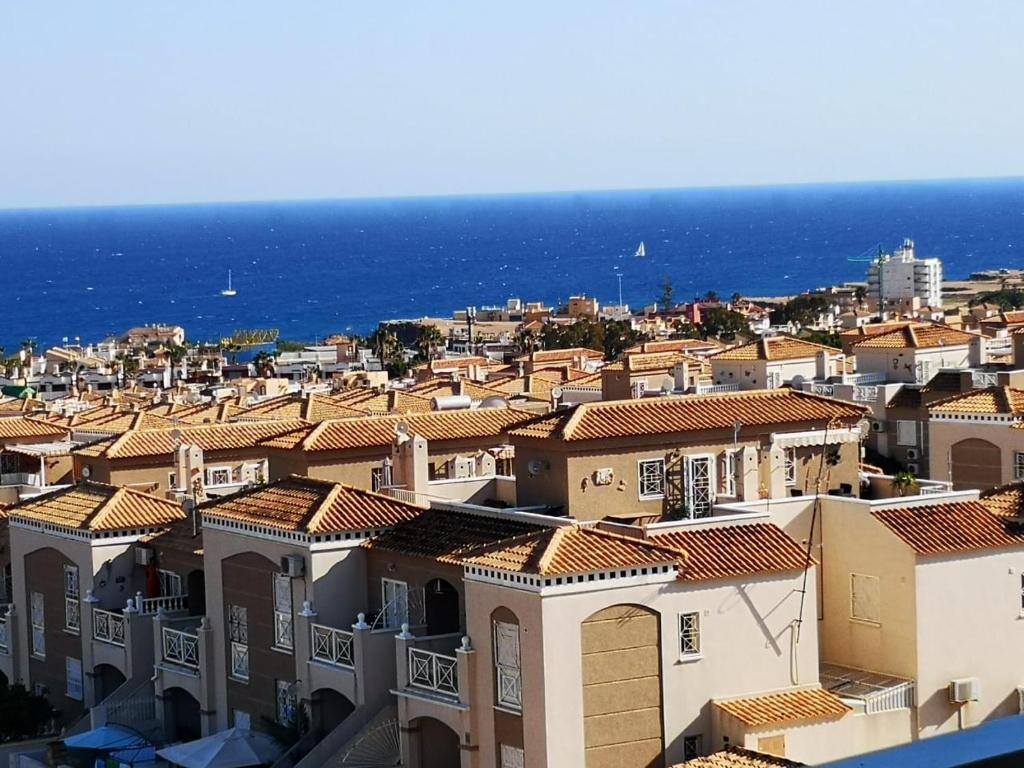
641, 251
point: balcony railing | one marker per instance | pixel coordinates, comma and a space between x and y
712, 389
433, 672
181, 648
151, 605
897, 697
19, 478
5, 630
865, 394
826, 390
983, 379
108, 627
333, 646
400, 494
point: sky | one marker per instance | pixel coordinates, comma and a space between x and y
189, 101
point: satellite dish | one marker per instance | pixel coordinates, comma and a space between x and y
556, 392
864, 427
401, 428
668, 384
536, 466
86, 472
798, 382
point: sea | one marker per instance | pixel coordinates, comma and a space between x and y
310, 269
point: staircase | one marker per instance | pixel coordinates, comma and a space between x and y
364, 739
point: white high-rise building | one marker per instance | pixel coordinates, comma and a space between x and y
893, 277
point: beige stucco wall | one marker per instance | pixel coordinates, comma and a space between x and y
943, 434
901, 364
748, 647
970, 624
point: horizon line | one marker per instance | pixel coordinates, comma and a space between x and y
481, 195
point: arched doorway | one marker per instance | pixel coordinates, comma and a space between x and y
106, 680
436, 743
328, 709
622, 722
195, 586
975, 465
181, 715
442, 607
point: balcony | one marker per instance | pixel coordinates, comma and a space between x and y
358, 662
332, 646
434, 672
427, 668
180, 647
873, 692
714, 389
109, 627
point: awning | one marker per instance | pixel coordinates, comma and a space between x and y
816, 437
233, 748
107, 738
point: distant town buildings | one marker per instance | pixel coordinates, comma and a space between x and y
901, 277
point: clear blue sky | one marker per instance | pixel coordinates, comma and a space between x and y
145, 101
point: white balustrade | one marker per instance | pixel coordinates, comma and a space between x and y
108, 627
333, 646
151, 605
181, 647
433, 672
897, 697
713, 389
865, 394
826, 390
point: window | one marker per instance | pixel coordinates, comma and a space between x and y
700, 495
72, 606
170, 584
38, 625
652, 478
376, 478
689, 634
218, 476
73, 673
774, 380
906, 432
692, 747
172, 480
727, 473
789, 466
772, 745
507, 664
865, 598
395, 595
1018, 465
285, 703
512, 757
238, 632
283, 612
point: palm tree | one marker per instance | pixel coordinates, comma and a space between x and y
384, 343
175, 355
428, 339
903, 482
264, 363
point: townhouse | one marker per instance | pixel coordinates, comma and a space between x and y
914, 352
677, 456
79, 624
655, 372
219, 457
459, 445
771, 362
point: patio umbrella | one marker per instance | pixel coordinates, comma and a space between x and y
137, 756
233, 748
106, 737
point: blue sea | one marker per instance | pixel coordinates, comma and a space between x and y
315, 268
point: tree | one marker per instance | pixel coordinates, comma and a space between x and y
527, 340
801, 310
860, 293
903, 483
722, 323
23, 715
667, 293
263, 361
175, 355
428, 339
736, 297
711, 297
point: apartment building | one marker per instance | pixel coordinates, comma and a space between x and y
899, 276
678, 456
771, 362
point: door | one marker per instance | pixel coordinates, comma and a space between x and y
396, 602
700, 494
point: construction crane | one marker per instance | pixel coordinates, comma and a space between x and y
862, 258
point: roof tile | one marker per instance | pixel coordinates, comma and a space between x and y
735, 550
786, 707
99, 507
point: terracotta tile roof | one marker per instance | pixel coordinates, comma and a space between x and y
210, 437
98, 507
312, 506
774, 348
119, 423
786, 707
1005, 501
20, 405
917, 336
953, 527
654, 361
18, 427
738, 757
673, 345
314, 408
561, 355
572, 549
688, 413
1003, 401
458, 363
735, 550
447, 536
438, 388
379, 431
1014, 317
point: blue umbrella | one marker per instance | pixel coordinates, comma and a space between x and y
106, 737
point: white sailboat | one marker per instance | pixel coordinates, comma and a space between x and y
229, 291
641, 251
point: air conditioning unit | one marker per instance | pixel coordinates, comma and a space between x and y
143, 555
964, 689
877, 426
913, 454
293, 566
913, 469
